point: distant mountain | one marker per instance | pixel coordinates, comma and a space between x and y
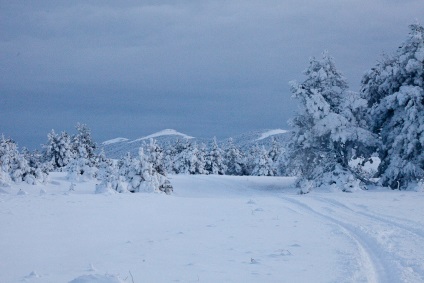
261, 138
164, 133
118, 147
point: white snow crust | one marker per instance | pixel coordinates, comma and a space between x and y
271, 133
167, 132
212, 229
112, 141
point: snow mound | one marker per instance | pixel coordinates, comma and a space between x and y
271, 133
112, 141
167, 132
96, 278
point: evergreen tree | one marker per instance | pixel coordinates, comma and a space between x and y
141, 176
215, 160
263, 165
58, 150
326, 133
109, 177
234, 159
83, 145
14, 167
395, 95
250, 159
275, 155
182, 157
155, 155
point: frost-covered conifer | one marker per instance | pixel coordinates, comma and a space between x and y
215, 160
109, 176
58, 150
250, 159
83, 144
83, 164
197, 160
234, 159
141, 176
168, 159
275, 154
182, 156
14, 166
263, 165
326, 132
395, 93
155, 156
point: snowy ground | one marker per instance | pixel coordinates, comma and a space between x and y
212, 229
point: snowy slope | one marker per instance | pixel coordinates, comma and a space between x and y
117, 148
271, 133
212, 229
112, 141
167, 132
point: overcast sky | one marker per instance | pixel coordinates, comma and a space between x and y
205, 68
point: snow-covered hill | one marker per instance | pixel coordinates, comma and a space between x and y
212, 229
118, 147
271, 133
164, 133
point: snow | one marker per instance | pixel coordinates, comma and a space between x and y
211, 229
167, 132
271, 133
112, 141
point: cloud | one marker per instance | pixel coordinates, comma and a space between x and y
234, 57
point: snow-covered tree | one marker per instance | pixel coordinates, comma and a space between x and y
7, 155
109, 177
251, 155
155, 156
83, 145
395, 94
182, 156
326, 133
14, 167
234, 159
83, 165
215, 160
141, 176
275, 154
197, 161
58, 150
263, 165
38, 169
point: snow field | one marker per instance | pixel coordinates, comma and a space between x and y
212, 229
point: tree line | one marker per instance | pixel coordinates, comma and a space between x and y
333, 126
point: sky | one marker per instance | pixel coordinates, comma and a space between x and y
204, 68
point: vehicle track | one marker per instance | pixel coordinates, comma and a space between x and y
374, 259
401, 242
411, 227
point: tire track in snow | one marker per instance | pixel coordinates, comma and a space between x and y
411, 228
402, 243
377, 268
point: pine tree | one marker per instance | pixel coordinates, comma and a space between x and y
263, 165
234, 159
141, 176
155, 156
275, 154
326, 133
83, 145
58, 150
14, 167
395, 93
182, 157
109, 177
215, 160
